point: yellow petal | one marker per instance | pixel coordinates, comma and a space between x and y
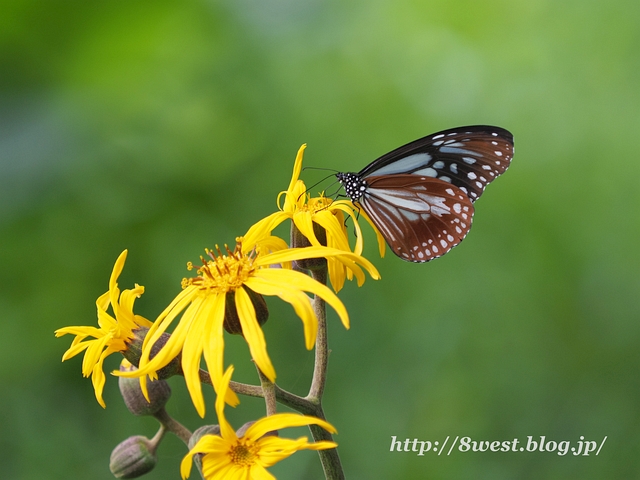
103, 301
349, 211
261, 230
274, 449
75, 350
214, 349
253, 334
164, 320
381, 241
297, 167
92, 355
79, 330
206, 444
128, 297
192, 354
226, 431
258, 472
117, 269
300, 302
302, 282
98, 380
336, 274
315, 252
284, 420
333, 227
304, 223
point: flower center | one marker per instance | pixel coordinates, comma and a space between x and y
317, 204
243, 455
222, 272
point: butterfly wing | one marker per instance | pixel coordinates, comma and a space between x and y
420, 217
467, 157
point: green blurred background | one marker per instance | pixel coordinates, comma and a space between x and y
166, 127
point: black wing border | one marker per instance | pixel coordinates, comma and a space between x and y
423, 144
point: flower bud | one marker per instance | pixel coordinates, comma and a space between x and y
298, 240
196, 436
231, 319
159, 393
201, 432
134, 351
133, 458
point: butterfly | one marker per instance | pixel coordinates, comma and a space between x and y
421, 195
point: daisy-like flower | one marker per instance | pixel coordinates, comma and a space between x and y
247, 457
114, 332
231, 285
305, 212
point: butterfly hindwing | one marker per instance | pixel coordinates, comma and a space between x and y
420, 217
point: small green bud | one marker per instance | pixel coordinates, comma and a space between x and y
133, 458
159, 393
134, 351
298, 240
231, 319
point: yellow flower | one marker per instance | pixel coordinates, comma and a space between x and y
114, 332
234, 277
305, 211
227, 456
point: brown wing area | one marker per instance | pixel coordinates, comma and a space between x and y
421, 218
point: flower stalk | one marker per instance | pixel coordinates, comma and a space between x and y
329, 458
269, 392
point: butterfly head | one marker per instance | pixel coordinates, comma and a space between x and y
353, 184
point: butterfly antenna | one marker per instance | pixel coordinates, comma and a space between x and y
317, 183
320, 168
336, 194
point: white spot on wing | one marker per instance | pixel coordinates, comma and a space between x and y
429, 172
404, 164
459, 151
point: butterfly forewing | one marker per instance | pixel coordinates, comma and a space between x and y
420, 217
468, 157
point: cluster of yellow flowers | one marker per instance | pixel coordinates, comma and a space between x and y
227, 292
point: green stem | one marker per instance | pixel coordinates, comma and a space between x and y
322, 349
329, 458
173, 426
269, 392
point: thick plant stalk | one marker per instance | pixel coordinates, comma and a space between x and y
329, 458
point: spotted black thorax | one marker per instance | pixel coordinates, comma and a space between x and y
353, 185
